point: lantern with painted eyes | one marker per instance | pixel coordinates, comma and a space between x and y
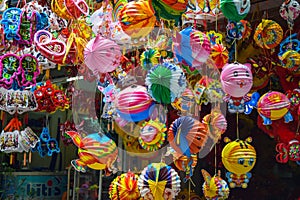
239, 158
235, 10
236, 80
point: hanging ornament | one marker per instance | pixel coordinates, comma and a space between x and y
236, 80
187, 136
191, 47
214, 188
134, 104
289, 53
216, 124
159, 181
272, 105
268, 34
124, 187
290, 151
238, 157
289, 11
235, 10
137, 19
95, 151
152, 135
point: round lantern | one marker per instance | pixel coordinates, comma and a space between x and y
134, 103
239, 158
236, 79
137, 19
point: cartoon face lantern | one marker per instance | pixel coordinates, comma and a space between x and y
235, 10
239, 158
236, 79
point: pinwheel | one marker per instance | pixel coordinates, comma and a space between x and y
268, 34
102, 55
165, 82
159, 181
95, 151
124, 187
149, 58
219, 55
187, 135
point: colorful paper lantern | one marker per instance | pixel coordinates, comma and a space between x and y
214, 188
235, 10
238, 157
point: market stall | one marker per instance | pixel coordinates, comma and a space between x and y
149, 99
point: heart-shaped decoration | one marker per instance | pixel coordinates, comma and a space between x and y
53, 49
76, 8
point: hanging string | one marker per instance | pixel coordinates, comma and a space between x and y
235, 50
215, 158
237, 126
298, 126
189, 189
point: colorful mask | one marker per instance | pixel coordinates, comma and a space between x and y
9, 69
29, 70
11, 22
290, 10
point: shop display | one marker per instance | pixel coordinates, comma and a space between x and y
148, 92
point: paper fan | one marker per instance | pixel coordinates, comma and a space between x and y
165, 82
124, 187
159, 181
187, 135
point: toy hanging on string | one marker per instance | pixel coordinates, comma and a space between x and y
289, 11
236, 80
289, 53
124, 187
271, 106
47, 145
215, 187
95, 151
109, 91
159, 181
152, 135
238, 157
288, 152
16, 101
